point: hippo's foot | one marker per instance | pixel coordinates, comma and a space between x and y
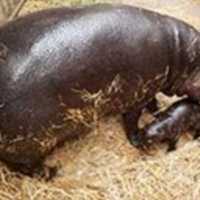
27, 157
39, 171
181, 117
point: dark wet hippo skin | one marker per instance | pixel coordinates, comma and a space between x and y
62, 70
181, 117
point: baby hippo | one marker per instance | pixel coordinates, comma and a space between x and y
181, 117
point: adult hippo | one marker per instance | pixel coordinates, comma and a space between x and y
63, 69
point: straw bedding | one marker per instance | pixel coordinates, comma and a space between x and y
104, 166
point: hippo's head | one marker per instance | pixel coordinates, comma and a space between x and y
151, 134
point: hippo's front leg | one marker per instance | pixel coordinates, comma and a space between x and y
130, 120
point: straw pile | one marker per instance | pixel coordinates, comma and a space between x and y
104, 166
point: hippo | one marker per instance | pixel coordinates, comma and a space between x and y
168, 126
63, 69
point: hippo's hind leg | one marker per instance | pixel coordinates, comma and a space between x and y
26, 156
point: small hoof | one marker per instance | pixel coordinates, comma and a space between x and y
45, 172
